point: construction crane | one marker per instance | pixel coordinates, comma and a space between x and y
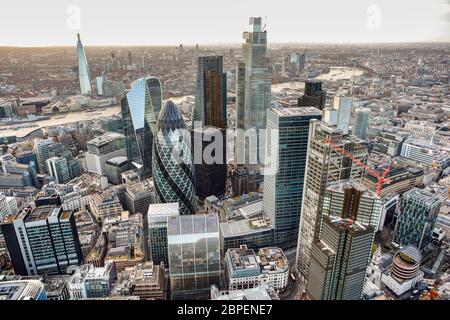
381, 177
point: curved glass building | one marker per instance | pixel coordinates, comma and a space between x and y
173, 168
140, 109
83, 69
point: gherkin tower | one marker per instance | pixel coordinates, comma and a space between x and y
172, 165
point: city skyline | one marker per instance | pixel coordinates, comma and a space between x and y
359, 21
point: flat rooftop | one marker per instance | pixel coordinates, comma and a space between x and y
296, 111
246, 226
104, 139
243, 258
39, 213
272, 259
263, 292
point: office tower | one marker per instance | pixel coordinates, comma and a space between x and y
341, 252
239, 181
285, 160
43, 150
314, 95
8, 206
194, 255
240, 96
58, 168
418, 214
296, 63
101, 149
100, 81
254, 232
140, 110
83, 69
324, 166
173, 168
28, 289
130, 58
339, 114
210, 174
211, 92
253, 95
157, 215
362, 121
42, 239
138, 196
114, 168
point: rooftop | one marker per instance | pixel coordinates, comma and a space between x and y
263, 292
105, 138
296, 111
240, 227
243, 258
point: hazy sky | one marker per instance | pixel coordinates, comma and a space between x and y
170, 22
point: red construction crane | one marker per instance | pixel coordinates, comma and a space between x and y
380, 176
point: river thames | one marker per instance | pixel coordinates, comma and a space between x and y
336, 73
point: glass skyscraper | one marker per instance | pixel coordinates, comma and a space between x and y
254, 79
286, 149
194, 255
83, 69
415, 223
324, 166
341, 252
140, 110
173, 168
211, 92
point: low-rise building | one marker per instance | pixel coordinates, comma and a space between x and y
263, 292
245, 269
145, 280
92, 282
105, 205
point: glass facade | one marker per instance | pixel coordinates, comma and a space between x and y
194, 255
254, 86
173, 168
83, 70
341, 252
211, 92
286, 146
140, 110
418, 215
323, 167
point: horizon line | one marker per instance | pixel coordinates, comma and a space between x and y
226, 44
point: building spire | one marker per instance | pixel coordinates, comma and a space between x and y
78, 36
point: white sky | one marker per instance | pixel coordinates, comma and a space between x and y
170, 22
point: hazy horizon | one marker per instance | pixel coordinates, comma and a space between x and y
47, 23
